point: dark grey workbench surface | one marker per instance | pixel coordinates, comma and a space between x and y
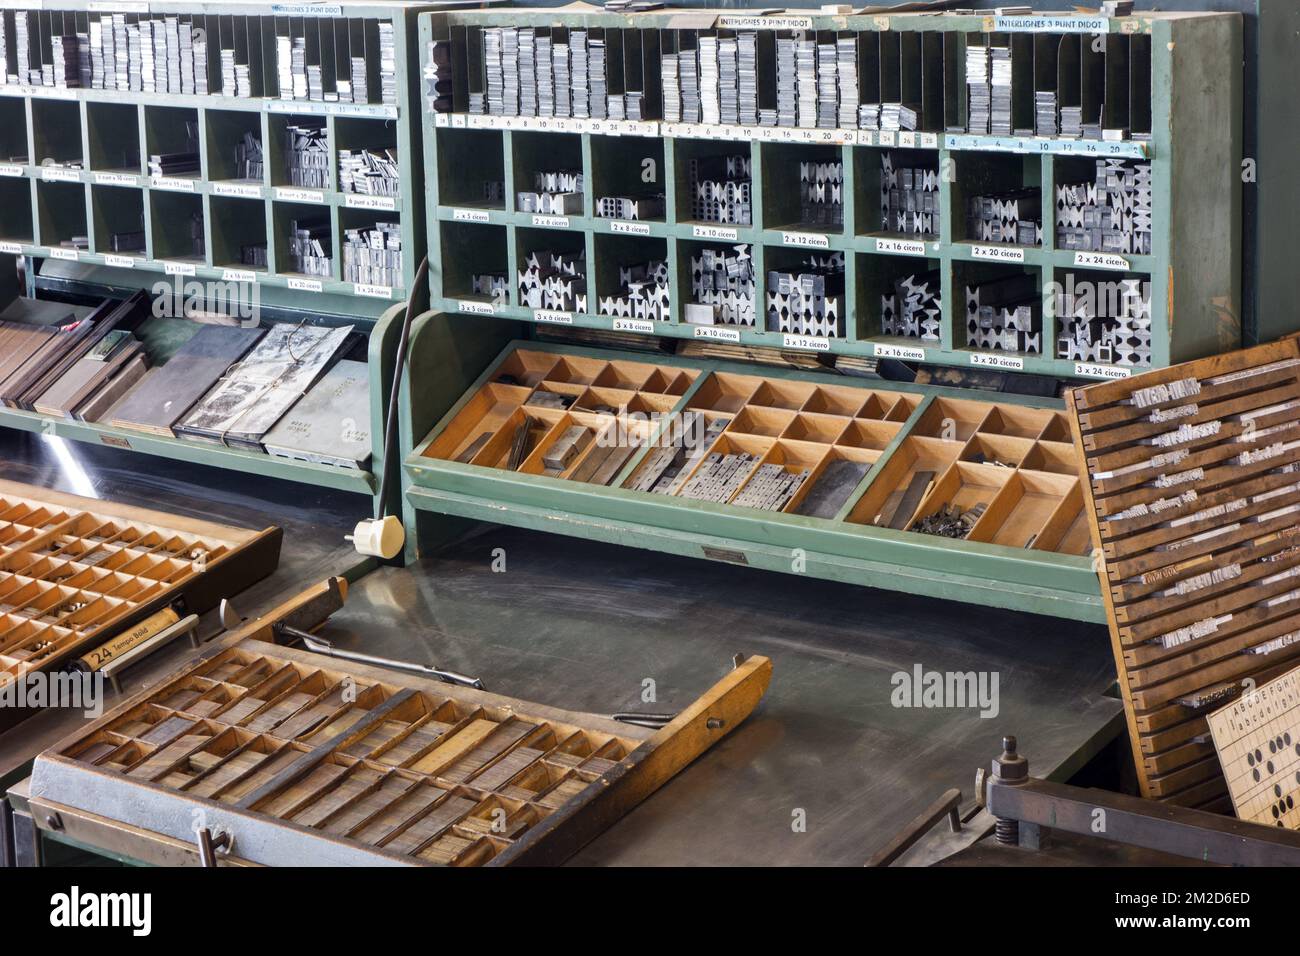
583, 625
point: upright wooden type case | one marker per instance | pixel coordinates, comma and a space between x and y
1192, 482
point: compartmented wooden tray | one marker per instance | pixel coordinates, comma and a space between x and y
828, 449
1194, 504
75, 571
307, 759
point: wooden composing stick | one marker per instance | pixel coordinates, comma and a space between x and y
1192, 487
301, 759
1257, 737
74, 572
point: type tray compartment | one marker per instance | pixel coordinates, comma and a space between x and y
398, 771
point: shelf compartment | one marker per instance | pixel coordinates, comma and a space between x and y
239, 233
728, 166
1031, 506
1001, 309
474, 263
173, 131
990, 177
963, 487
645, 262
534, 153
16, 210
14, 146
113, 138
234, 140
482, 153
178, 227
804, 188
56, 133
1000, 450
953, 419
295, 256
899, 299
118, 216
61, 212
630, 168
889, 183
884, 496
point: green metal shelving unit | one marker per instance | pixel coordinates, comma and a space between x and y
1194, 149
1193, 268
44, 204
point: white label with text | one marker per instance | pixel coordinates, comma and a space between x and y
905, 247
717, 334
470, 215
239, 190
714, 232
476, 308
306, 285
550, 315
899, 352
1101, 260
120, 262
298, 195
551, 222
630, 228
634, 325
238, 275
998, 253
988, 360
805, 240
810, 342
1089, 370
178, 268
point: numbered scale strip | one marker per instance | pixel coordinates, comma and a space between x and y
1193, 495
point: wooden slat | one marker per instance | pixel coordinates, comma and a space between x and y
1186, 602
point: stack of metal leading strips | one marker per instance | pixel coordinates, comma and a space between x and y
1000, 90
979, 92
643, 293
827, 85
728, 81
1013, 217
553, 280
561, 78
805, 60
722, 287
580, 72
370, 172
914, 308
1112, 213
710, 104
164, 55
821, 194
22, 51
306, 155
747, 77
771, 488
528, 72
846, 73
1113, 327
1005, 315
310, 247
810, 302
909, 199
235, 77
787, 82
1047, 119
555, 192
721, 190
373, 256
387, 63
360, 82
1194, 500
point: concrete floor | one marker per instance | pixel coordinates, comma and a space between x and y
827, 769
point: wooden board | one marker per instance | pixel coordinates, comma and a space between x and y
308, 759
1191, 478
76, 571
1257, 738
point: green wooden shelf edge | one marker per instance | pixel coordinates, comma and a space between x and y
200, 453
